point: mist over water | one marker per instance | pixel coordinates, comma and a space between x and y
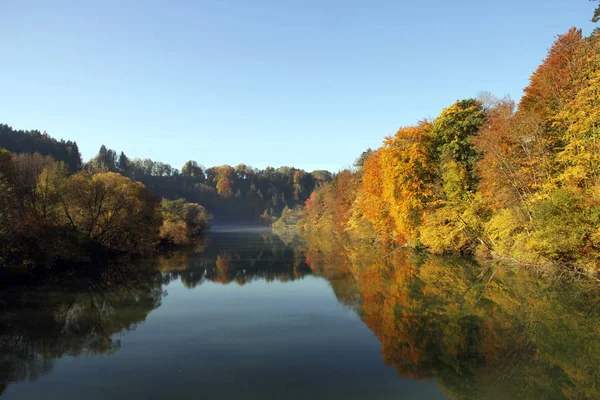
240, 228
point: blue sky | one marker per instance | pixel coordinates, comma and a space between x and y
305, 83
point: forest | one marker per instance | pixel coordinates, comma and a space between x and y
488, 176
54, 208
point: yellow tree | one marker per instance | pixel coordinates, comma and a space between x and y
344, 186
48, 189
369, 203
407, 173
552, 87
111, 210
558, 78
580, 119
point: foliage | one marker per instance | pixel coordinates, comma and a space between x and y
407, 175
289, 218
567, 228
329, 207
182, 221
487, 176
111, 210
49, 216
369, 204
51, 211
174, 232
230, 194
453, 133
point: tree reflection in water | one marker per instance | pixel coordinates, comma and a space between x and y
77, 312
481, 332
74, 313
237, 258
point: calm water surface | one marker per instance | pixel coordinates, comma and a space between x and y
246, 316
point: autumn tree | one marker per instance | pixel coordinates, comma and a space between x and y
111, 210
407, 173
31, 187
344, 186
579, 159
504, 177
182, 221
552, 86
241, 171
370, 204
225, 187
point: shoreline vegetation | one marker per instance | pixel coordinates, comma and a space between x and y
55, 209
488, 177
49, 216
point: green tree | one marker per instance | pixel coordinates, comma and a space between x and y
453, 132
124, 165
192, 169
360, 161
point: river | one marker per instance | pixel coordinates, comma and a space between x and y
253, 315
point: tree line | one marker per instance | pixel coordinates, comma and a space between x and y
33, 141
231, 194
50, 215
487, 176
54, 207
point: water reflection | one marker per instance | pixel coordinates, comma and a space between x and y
75, 313
237, 257
493, 332
78, 312
478, 332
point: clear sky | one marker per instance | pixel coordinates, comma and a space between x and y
305, 83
